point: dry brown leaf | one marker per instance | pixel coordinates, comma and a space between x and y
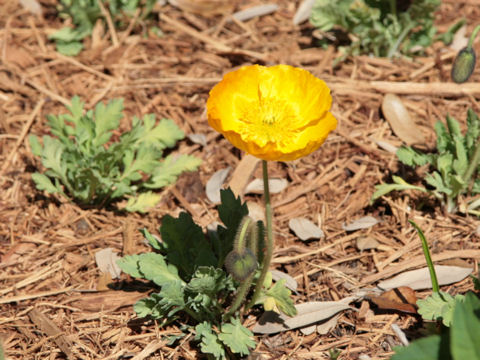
274, 186
106, 261
305, 229
215, 183
362, 223
420, 278
307, 314
399, 119
303, 12
290, 282
19, 56
366, 243
402, 299
255, 11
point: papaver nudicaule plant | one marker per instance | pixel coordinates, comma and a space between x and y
274, 113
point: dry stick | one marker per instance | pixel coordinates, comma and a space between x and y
49, 93
47, 326
34, 296
110, 25
345, 86
24, 132
209, 40
406, 87
37, 275
149, 350
130, 26
84, 67
289, 259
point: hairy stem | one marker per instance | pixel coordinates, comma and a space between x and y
269, 243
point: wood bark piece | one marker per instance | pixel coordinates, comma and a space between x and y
243, 173
49, 328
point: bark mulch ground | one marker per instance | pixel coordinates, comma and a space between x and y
54, 302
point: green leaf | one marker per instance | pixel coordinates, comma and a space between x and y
473, 131
107, 118
143, 202
231, 210
237, 337
152, 240
52, 155
72, 48
210, 344
429, 348
444, 140
453, 127
436, 181
282, 297
43, 183
438, 306
67, 35
209, 281
460, 164
35, 145
129, 265
399, 185
168, 171
146, 307
411, 157
172, 298
153, 267
165, 134
466, 329
186, 245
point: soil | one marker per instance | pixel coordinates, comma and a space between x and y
55, 303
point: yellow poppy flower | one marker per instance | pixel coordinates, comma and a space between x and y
274, 113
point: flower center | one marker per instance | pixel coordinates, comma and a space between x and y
269, 120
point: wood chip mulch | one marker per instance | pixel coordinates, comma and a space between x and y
56, 304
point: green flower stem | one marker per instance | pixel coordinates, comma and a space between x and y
269, 243
474, 162
472, 37
393, 7
241, 294
428, 258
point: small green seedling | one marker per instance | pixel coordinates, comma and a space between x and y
381, 28
84, 163
205, 282
84, 15
454, 166
460, 316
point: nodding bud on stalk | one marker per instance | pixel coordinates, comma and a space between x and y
463, 65
465, 61
241, 262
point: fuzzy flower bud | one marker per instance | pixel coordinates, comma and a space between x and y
463, 65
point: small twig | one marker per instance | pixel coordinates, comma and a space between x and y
24, 132
110, 25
